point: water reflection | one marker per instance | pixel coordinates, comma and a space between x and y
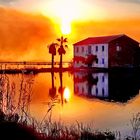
52, 90
29, 95
116, 87
63, 94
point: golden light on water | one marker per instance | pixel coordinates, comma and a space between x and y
67, 94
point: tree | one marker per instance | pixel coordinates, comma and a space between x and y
62, 44
90, 59
52, 50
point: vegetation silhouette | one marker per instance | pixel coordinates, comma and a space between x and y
16, 131
52, 51
62, 45
61, 50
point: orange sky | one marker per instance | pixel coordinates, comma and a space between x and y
26, 31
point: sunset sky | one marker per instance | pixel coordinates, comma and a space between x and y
25, 31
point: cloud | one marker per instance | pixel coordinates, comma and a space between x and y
130, 1
86, 29
24, 36
7, 2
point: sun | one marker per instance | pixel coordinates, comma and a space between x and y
66, 27
64, 12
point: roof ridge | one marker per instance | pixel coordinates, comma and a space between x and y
99, 39
108, 35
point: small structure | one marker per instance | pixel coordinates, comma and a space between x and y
107, 52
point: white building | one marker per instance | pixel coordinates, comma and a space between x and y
99, 50
108, 51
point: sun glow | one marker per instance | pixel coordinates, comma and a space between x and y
67, 13
67, 94
66, 27
64, 12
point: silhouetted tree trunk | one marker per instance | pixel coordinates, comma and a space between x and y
62, 41
52, 50
61, 61
52, 61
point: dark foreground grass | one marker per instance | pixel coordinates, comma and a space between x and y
11, 128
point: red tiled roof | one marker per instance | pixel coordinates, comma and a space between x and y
98, 40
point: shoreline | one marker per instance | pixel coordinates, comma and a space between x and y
71, 69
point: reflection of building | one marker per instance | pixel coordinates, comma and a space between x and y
112, 87
91, 84
108, 51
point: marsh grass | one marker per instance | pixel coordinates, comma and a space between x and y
135, 123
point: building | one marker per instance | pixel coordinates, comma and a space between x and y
107, 52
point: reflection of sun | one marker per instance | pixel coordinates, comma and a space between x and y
66, 94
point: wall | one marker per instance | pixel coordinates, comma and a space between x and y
83, 51
129, 53
100, 55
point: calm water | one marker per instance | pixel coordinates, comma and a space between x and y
103, 100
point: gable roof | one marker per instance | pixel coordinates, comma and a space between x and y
98, 40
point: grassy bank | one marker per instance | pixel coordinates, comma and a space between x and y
12, 124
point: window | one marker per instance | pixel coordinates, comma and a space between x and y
82, 49
82, 89
118, 48
103, 78
76, 49
103, 61
89, 49
96, 49
77, 89
103, 91
96, 91
103, 48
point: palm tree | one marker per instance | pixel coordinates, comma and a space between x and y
52, 50
61, 49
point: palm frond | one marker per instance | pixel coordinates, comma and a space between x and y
58, 39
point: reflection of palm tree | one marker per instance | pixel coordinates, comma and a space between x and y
52, 50
61, 49
52, 90
91, 81
61, 88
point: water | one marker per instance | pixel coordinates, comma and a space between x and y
102, 100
